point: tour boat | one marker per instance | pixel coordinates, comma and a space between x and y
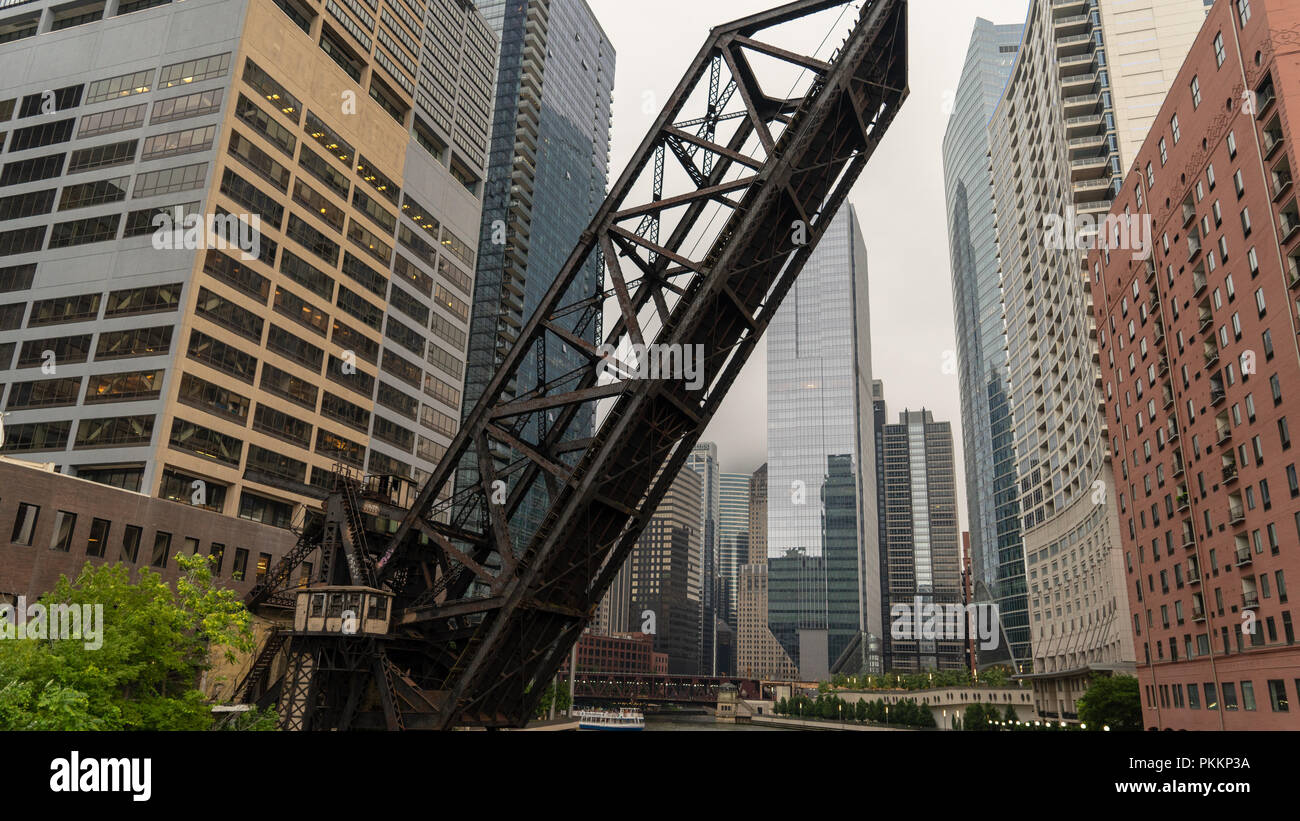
625, 719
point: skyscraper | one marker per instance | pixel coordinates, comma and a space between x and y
758, 653
322, 315
1084, 90
821, 457
547, 172
733, 539
1200, 374
997, 552
924, 545
757, 516
663, 593
704, 461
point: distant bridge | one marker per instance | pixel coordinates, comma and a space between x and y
648, 687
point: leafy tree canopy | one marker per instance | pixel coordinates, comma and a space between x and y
156, 642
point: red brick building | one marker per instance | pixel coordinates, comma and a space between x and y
1200, 381
51, 524
620, 653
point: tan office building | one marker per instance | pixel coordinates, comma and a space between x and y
233, 369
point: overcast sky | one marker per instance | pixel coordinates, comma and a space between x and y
899, 198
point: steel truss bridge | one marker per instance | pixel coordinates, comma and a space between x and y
468, 610
654, 687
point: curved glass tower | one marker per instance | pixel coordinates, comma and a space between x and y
997, 553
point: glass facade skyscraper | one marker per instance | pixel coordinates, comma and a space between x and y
997, 552
822, 516
547, 171
924, 541
733, 539
704, 461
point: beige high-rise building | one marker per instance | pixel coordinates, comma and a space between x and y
1088, 80
758, 653
325, 324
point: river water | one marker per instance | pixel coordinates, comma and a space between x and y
669, 723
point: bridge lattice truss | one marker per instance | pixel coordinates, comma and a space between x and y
699, 239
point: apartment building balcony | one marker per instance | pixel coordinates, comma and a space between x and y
1171, 431
1149, 274
1250, 601
1189, 535
1076, 83
1162, 366
1282, 178
1194, 249
1223, 428
1183, 499
1169, 398
1198, 613
1094, 207
1289, 222
1081, 125
1080, 104
1293, 268
1179, 468
1193, 571
1076, 64
1067, 6
1090, 168
1087, 141
1230, 472
1204, 313
1265, 96
1243, 552
1236, 510
1210, 349
1273, 137
1091, 186
1072, 24
1073, 45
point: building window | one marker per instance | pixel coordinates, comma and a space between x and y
162, 543
181, 487
123, 85
1277, 695
25, 523
194, 71
98, 539
267, 511
131, 544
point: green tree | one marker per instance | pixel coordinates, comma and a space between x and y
253, 720
559, 695
781, 707
860, 710
994, 677
926, 717
1010, 715
1113, 701
977, 718
155, 644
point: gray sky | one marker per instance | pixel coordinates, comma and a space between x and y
899, 198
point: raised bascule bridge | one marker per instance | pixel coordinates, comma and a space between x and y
453, 604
